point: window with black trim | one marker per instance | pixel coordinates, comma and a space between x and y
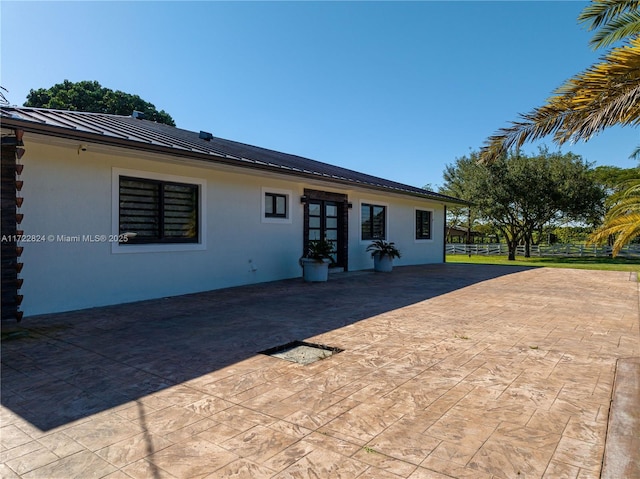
275, 205
423, 224
155, 211
373, 221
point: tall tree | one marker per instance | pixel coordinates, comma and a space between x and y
605, 94
92, 97
520, 194
459, 216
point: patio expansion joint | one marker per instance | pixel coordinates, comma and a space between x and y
619, 450
623, 404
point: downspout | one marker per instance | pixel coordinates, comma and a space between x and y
444, 236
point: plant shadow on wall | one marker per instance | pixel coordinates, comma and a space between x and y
76, 364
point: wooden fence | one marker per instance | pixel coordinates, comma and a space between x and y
565, 250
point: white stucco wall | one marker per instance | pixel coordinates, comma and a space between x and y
69, 193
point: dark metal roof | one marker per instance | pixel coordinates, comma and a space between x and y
129, 132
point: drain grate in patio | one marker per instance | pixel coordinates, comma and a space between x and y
301, 352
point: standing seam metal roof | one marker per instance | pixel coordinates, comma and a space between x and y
145, 134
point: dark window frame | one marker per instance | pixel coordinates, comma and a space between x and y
273, 199
160, 215
420, 222
370, 234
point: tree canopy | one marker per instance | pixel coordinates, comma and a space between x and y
519, 194
613, 178
92, 97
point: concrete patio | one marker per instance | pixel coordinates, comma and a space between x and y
447, 371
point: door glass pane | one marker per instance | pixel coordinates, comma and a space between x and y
332, 223
314, 209
332, 210
331, 234
314, 234
314, 222
334, 247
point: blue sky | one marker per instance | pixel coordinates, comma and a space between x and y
393, 89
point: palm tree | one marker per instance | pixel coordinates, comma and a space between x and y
606, 94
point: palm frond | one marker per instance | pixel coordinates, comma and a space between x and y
623, 208
625, 228
606, 94
626, 25
600, 12
622, 220
636, 154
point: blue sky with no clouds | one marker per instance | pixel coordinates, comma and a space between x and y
393, 89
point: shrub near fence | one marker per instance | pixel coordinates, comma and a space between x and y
564, 250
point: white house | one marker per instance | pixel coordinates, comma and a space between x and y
109, 209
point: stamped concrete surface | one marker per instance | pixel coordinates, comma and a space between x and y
460, 371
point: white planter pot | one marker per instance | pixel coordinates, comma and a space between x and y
315, 271
383, 264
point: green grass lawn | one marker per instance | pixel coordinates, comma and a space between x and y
608, 264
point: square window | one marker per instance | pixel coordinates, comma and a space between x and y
275, 205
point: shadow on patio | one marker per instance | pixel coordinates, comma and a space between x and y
73, 365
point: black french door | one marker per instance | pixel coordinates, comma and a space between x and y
323, 223
326, 219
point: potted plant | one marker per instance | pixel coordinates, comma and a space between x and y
383, 253
315, 263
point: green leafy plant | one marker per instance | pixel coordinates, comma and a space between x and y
320, 250
383, 248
